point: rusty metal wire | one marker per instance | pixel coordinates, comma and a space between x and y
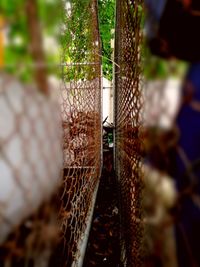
30, 160
81, 115
33, 119
128, 104
139, 112
31, 163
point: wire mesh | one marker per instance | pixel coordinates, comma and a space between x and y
128, 104
31, 147
170, 167
31, 163
31, 151
81, 114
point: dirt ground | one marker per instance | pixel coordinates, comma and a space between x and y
104, 246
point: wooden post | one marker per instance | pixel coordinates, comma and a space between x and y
36, 46
1, 42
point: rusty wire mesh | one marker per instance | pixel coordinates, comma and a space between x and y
30, 146
81, 116
31, 150
31, 162
128, 103
155, 140
144, 133
170, 167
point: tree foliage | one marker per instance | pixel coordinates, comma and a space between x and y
73, 33
18, 58
78, 37
106, 24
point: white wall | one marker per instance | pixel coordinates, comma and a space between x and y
107, 100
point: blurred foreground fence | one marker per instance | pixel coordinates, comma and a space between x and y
128, 104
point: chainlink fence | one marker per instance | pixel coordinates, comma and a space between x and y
38, 229
128, 104
55, 233
31, 148
81, 119
156, 154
